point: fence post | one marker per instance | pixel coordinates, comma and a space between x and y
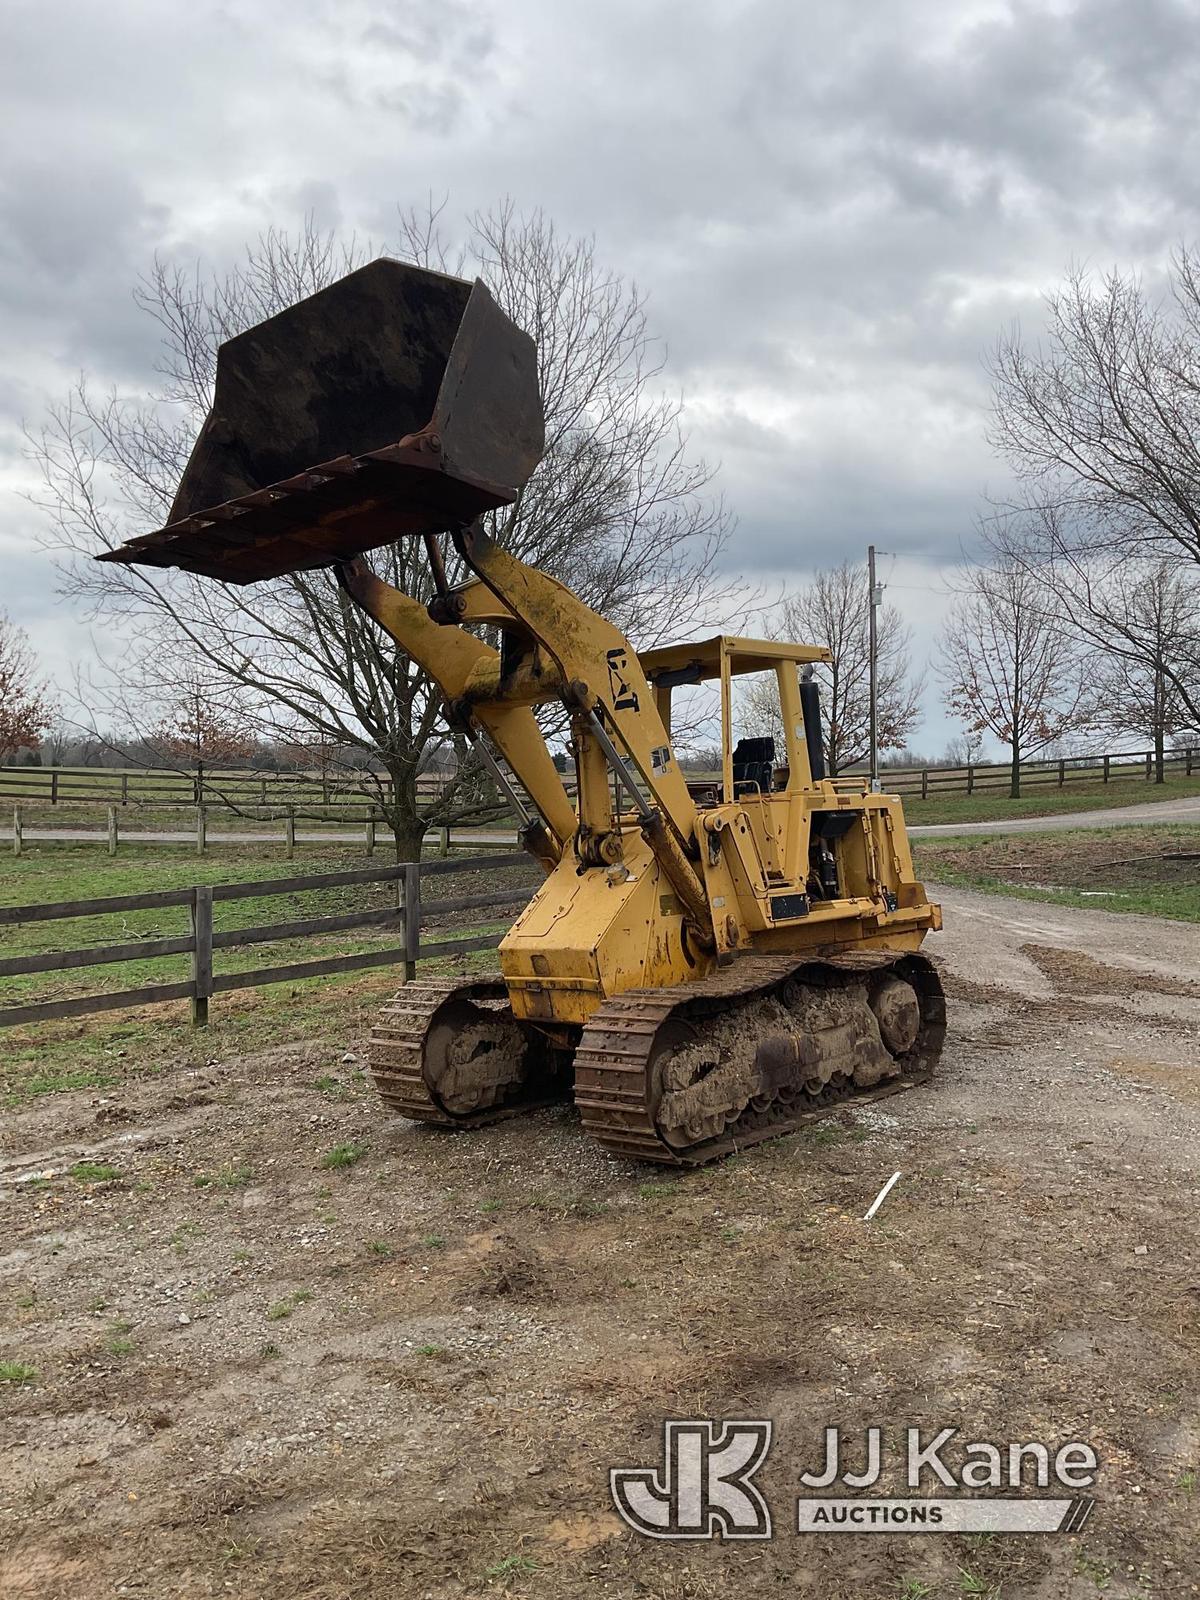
201, 830
370, 833
124, 788
289, 831
410, 910
1062, 772
1149, 759
444, 841
54, 788
17, 840
1187, 756
202, 958
924, 783
112, 830
1106, 761
970, 780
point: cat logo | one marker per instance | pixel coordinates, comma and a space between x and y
623, 697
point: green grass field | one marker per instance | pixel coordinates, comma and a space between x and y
1105, 869
1045, 800
52, 1054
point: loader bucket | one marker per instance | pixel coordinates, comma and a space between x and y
396, 401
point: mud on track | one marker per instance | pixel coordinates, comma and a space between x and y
408, 1375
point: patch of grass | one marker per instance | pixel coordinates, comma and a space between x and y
969, 1583
433, 1241
17, 1372
229, 1177
1107, 869
490, 1207
333, 1088
242, 1258
240, 1549
184, 1232
509, 1567
344, 1155
1044, 799
656, 1191
270, 1352
1090, 1566
1187, 1478
823, 1133
26, 1301
94, 1172
378, 1247
118, 1345
39, 1083
282, 1309
430, 1350
915, 1589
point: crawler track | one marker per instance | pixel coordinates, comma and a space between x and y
615, 1087
403, 1051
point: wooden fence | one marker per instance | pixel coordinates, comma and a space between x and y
232, 788
995, 777
118, 825
341, 798
201, 942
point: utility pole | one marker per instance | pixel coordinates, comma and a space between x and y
872, 660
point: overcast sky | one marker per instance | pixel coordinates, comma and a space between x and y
833, 209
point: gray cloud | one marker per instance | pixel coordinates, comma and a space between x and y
833, 209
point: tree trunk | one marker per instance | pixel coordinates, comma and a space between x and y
401, 811
1014, 782
1159, 755
1160, 718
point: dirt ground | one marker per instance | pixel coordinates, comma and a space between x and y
256, 1373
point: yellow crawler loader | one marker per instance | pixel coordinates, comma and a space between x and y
709, 964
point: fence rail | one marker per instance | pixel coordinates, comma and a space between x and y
985, 777
158, 787
289, 793
202, 941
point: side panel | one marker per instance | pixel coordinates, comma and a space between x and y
586, 936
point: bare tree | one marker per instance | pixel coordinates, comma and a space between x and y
1105, 414
26, 709
1149, 651
1009, 667
1101, 421
618, 508
834, 610
1139, 614
963, 749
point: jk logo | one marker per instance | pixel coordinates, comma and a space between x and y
704, 1488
